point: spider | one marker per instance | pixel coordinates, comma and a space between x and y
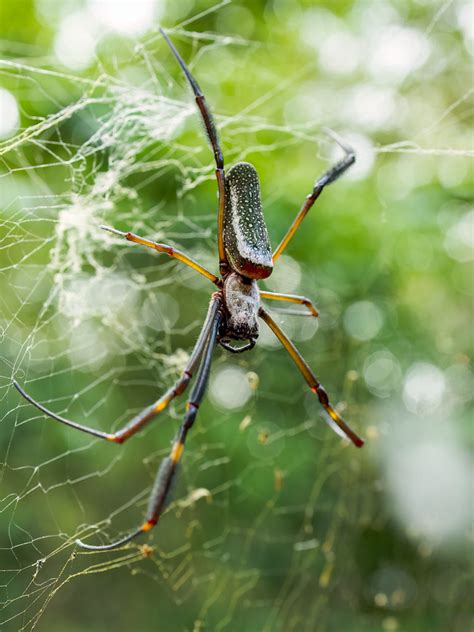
245, 257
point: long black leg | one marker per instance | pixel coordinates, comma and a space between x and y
167, 470
211, 131
328, 176
311, 379
148, 413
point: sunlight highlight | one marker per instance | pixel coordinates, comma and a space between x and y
431, 483
397, 51
382, 373
230, 388
129, 18
459, 241
424, 388
363, 320
10, 115
75, 41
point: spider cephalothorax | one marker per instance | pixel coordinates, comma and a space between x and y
241, 302
245, 257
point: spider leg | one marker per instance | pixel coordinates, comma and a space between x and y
169, 250
166, 473
140, 420
333, 173
292, 298
311, 379
213, 136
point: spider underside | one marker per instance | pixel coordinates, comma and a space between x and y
232, 320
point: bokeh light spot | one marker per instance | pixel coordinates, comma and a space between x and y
397, 51
286, 276
75, 41
230, 388
364, 150
431, 483
382, 373
459, 241
265, 440
363, 320
371, 106
88, 348
161, 311
9, 114
392, 587
340, 53
126, 17
423, 389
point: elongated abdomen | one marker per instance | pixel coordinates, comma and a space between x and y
246, 242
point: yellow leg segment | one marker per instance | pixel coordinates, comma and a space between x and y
169, 250
291, 298
177, 451
310, 378
310, 200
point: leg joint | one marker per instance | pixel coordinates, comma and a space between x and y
191, 412
321, 393
117, 437
182, 384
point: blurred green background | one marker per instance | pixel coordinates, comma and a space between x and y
276, 524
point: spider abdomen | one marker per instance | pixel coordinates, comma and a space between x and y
246, 242
241, 301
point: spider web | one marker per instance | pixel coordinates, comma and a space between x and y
272, 517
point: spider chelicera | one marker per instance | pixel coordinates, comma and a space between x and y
245, 257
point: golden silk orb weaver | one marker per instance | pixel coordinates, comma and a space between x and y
232, 321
